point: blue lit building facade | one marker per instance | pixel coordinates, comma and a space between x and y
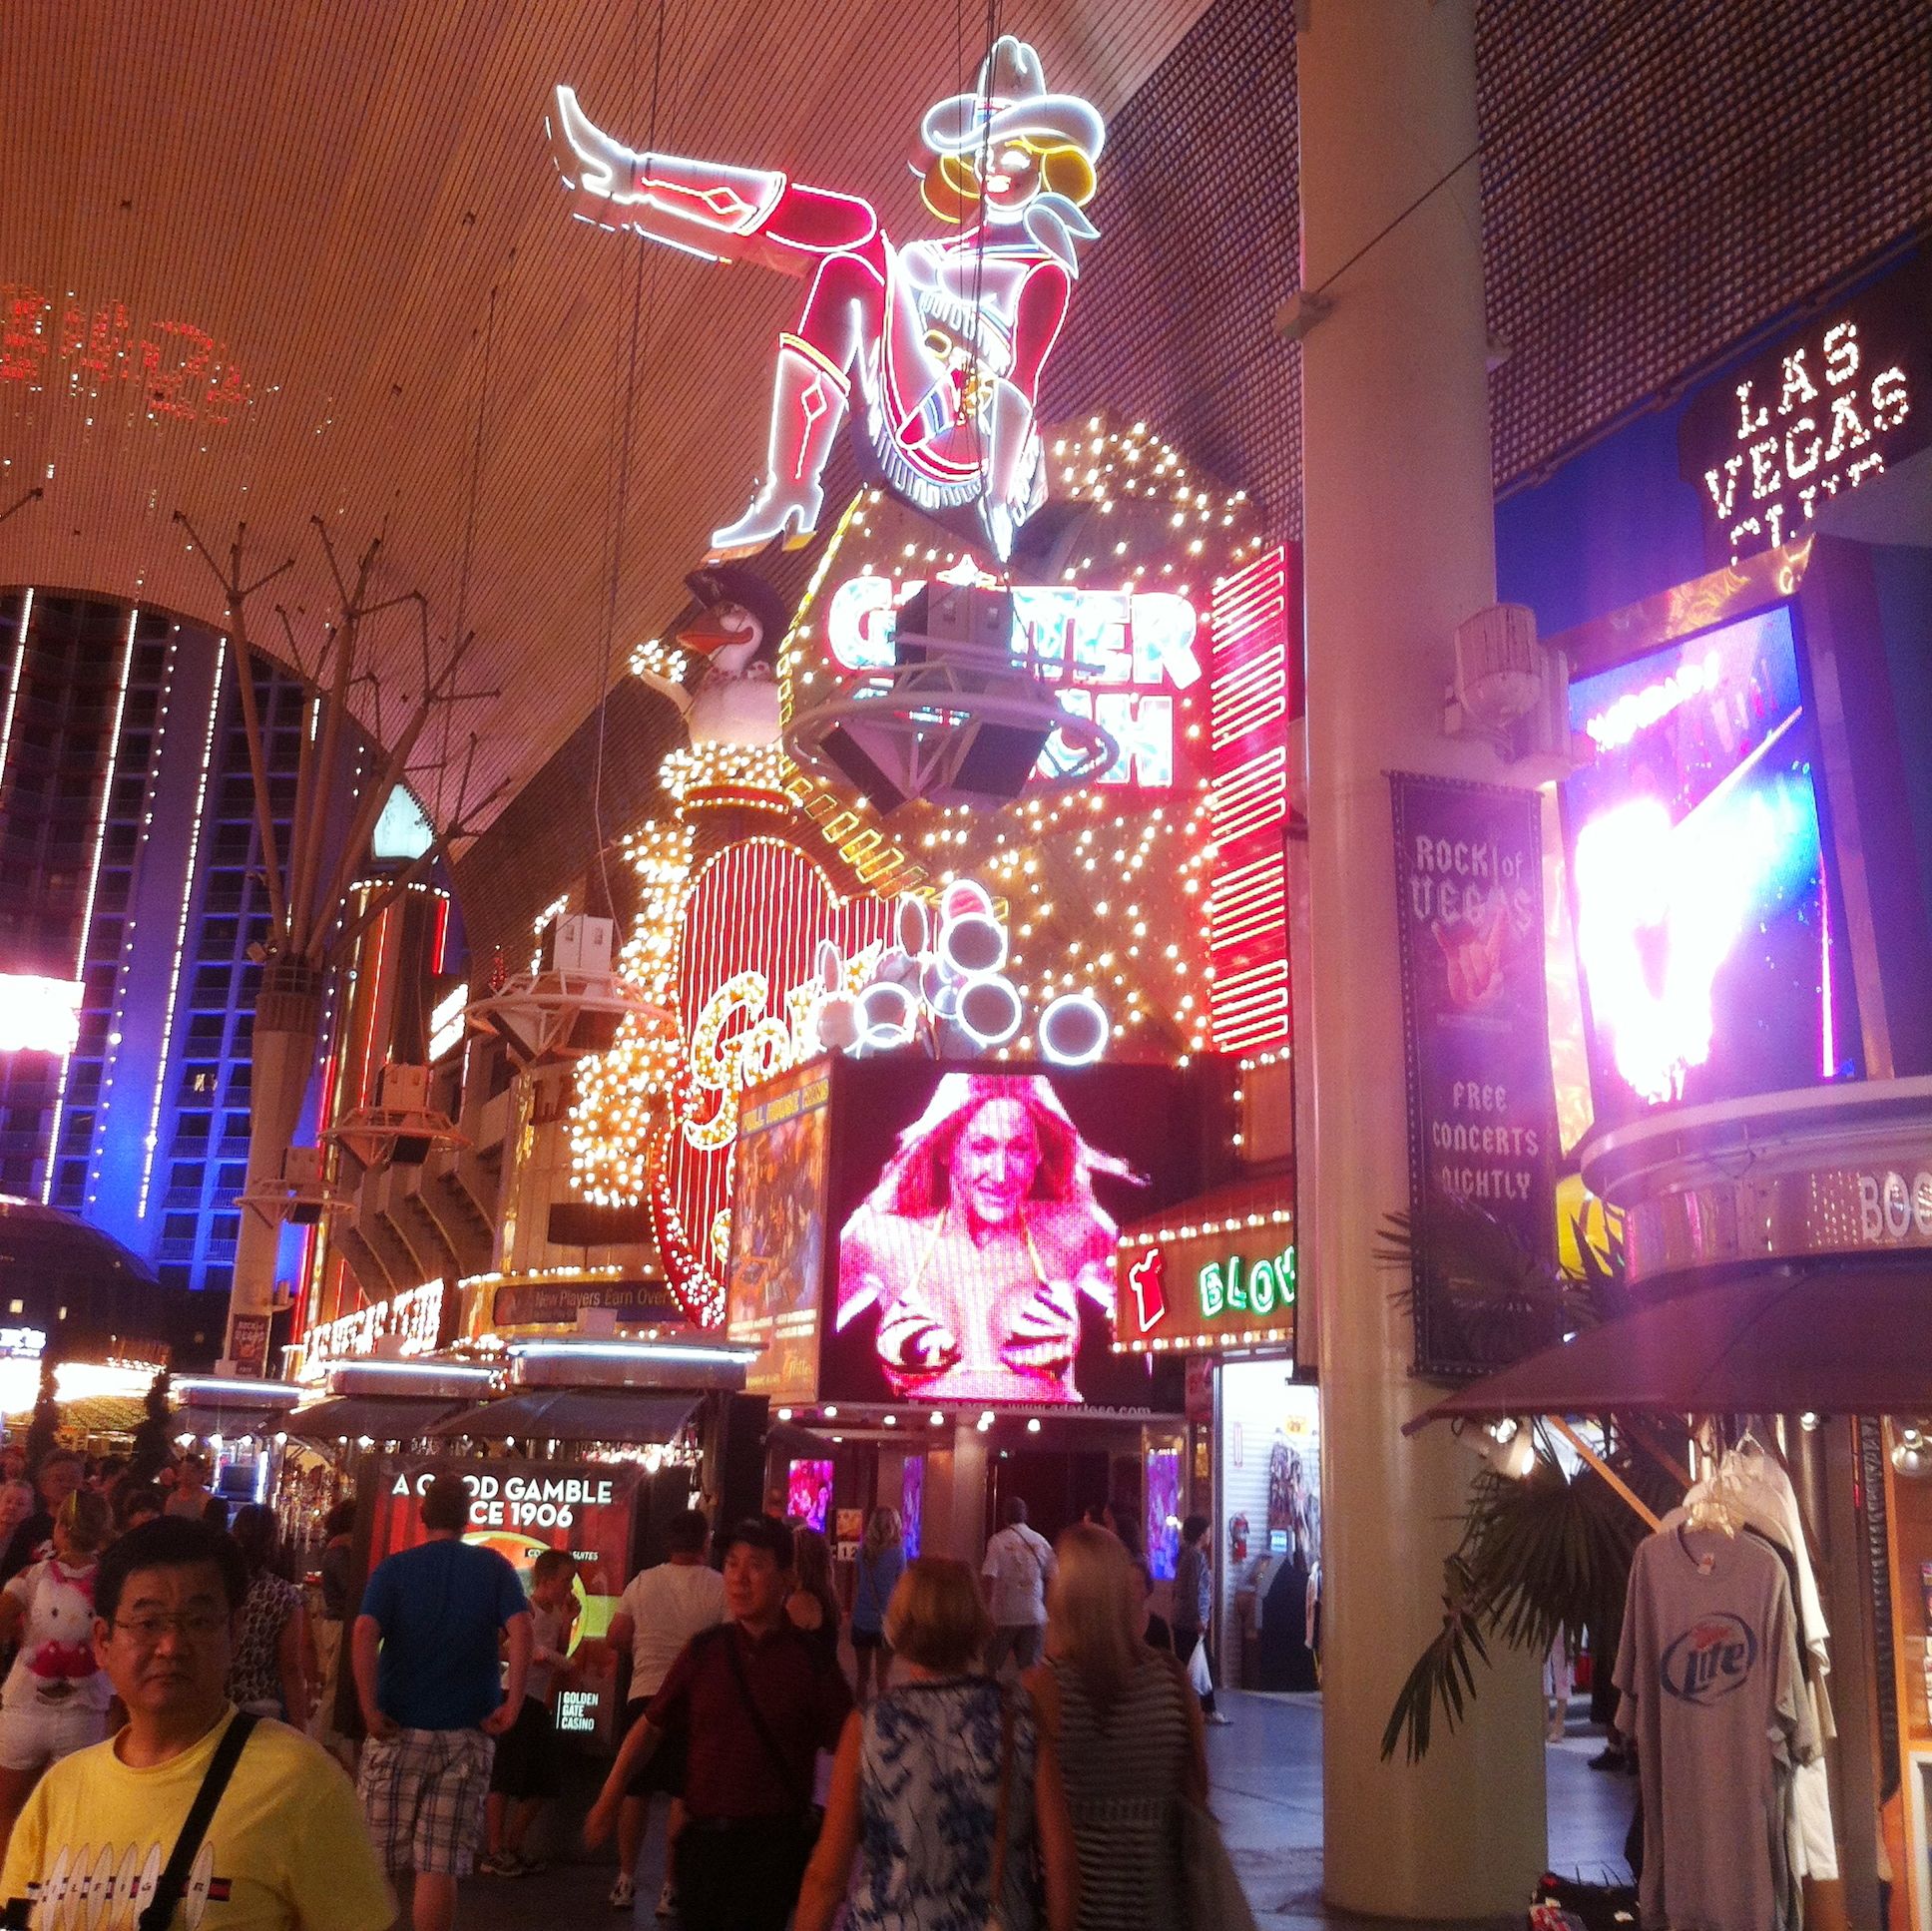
134, 888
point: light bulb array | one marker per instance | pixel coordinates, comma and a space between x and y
622, 1093
753, 775
1279, 1217
654, 658
1132, 940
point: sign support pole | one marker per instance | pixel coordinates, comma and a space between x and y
1399, 537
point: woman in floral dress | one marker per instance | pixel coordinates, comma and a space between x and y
945, 1792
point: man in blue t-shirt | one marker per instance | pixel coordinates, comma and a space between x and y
424, 1652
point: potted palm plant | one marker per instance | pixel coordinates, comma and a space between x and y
1545, 1550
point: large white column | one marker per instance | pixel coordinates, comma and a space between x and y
1399, 544
953, 1512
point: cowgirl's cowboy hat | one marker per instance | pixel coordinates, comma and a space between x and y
1011, 101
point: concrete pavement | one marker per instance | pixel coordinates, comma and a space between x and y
1267, 1771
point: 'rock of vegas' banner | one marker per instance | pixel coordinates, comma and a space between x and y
1476, 1040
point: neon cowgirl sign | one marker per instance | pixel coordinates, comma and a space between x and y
945, 338
1116, 656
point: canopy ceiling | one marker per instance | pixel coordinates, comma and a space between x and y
319, 200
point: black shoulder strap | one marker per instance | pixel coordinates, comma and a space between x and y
786, 1775
169, 1891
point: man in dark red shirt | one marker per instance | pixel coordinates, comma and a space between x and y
757, 1704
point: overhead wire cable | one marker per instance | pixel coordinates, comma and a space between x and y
638, 351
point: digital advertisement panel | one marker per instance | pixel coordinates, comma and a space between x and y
772, 1300
976, 1214
912, 1502
1712, 959
520, 1509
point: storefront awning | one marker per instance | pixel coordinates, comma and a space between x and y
574, 1415
199, 1419
1839, 1340
382, 1418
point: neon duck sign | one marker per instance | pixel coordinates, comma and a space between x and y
945, 338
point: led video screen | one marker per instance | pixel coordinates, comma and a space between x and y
976, 1212
1711, 953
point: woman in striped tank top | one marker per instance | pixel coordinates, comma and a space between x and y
1126, 1731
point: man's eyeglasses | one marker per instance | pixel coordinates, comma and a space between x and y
196, 1624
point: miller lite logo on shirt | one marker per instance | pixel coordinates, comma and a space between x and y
1710, 1660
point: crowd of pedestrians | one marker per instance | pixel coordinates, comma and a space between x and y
1023, 1748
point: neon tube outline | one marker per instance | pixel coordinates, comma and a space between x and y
93, 884
180, 937
13, 689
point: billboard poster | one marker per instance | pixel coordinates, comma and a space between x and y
520, 1509
1476, 1038
1712, 957
249, 1344
773, 1297
977, 1215
808, 1493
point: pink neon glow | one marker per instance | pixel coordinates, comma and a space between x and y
950, 333
1827, 1028
1638, 710
38, 1015
1659, 907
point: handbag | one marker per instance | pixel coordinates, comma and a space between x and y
1216, 1901
1214, 1894
172, 1883
1000, 1814
1201, 1678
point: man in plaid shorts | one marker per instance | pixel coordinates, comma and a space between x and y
424, 1652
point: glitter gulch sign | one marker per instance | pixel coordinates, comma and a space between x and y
749, 1000
183, 372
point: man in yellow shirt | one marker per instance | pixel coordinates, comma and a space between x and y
284, 1847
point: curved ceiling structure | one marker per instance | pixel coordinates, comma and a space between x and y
265, 264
